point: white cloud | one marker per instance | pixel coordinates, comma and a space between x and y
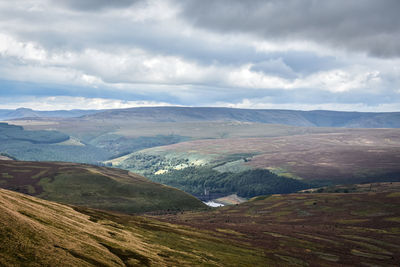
148, 51
340, 80
68, 103
10, 47
264, 104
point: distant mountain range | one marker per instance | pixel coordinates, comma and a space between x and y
316, 118
9, 114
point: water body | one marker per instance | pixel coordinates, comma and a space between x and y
213, 204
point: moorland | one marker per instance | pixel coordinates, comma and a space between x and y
303, 229
103, 188
315, 148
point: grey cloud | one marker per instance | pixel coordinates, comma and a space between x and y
371, 26
69, 31
294, 64
306, 63
95, 5
92, 27
275, 67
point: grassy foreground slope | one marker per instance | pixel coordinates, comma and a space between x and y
353, 229
35, 232
330, 229
92, 186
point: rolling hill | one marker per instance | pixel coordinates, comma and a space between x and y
318, 118
9, 114
316, 229
92, 186
153, 141
351, 156
109, 134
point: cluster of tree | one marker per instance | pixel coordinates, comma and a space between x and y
147, 164
204, 180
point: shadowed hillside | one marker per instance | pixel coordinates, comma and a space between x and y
91, 186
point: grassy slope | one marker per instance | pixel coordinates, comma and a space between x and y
96, 187
280, 230
35, 232
312, 229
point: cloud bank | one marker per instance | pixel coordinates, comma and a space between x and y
283, 54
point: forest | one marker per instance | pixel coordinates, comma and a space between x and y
201, 181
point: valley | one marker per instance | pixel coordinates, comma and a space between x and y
166, 144
294, 195
166, 133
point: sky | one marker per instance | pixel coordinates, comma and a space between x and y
293, 54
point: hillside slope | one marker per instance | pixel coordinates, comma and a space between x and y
35, 232
353, 229
219, 167
92, 186
344, 157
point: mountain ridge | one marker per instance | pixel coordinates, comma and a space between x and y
313, 118
10, 114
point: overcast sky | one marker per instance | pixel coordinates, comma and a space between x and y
294, 54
